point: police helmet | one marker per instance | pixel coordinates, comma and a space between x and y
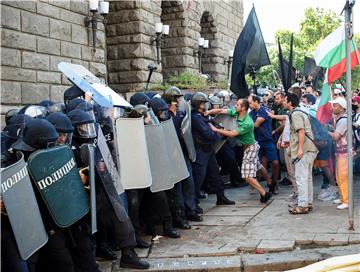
73, 104
71, 93
142, 109
159, 107
188, 96
83, 123
16, 124
224, 95
36, 111
198, 98
46, 103
214, 100
60, 121
9, 114
139, 98
63, 126
37, 134
234, 97
152, 94
172, 94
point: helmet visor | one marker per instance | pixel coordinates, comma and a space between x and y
118, 112
36, 111
64, 138
86, 130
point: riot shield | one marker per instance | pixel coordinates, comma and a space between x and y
86, 81
57, 178
187, 134
132, 153
22, 209
108, 160
167, 161
228, 123
87, 154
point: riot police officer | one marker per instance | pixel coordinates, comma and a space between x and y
205, 164
185, 189
71, 93
63, 126
85, 132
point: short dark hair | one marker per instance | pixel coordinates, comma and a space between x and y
310, 98
245, 103
296, 90
255, 98
282, 94
293, 99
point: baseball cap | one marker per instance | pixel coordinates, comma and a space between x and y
340, 100
356, 99
337, 91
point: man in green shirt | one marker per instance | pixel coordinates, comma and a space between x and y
244, 133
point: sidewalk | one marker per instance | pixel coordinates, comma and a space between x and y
250, 227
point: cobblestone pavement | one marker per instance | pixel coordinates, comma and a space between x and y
250, 227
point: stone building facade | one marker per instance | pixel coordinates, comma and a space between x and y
37, 35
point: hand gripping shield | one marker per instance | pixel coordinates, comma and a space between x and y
228, 123
86, 81
167, 161
132, 153
57, 178
186, 133
22, 209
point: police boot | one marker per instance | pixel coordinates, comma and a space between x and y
169, 231
180, 221
129, 259
104, 251
140, 243
223, 200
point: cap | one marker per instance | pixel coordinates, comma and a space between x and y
341, 101
356, 99
337, 91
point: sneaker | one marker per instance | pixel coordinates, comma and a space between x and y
333, 194
337, 201
342, 206
324, 193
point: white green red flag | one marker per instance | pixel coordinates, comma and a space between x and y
331, 54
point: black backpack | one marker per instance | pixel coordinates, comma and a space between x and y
320, 133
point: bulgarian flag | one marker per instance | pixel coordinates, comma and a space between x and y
331, 54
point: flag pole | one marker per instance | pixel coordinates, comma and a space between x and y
348, 36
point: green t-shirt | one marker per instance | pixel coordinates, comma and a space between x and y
245, 128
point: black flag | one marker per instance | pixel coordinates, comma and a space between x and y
250, 54
317, 73
287, 71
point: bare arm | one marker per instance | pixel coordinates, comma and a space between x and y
276, 117
334, 135
215, 112
301, 136
223, 132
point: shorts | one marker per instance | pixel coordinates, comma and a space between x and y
269, 150
251, 163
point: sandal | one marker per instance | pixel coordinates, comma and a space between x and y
299, 210
310, 207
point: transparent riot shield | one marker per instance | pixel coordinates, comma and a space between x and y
22, 209
167, 161
90, 84
187, 134
228, 123
132, 153
56, 176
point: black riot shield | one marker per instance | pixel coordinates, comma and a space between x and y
167, 161
57, 178
87, 154
228, 123
108, 160
22, 209
108, 185
187, 134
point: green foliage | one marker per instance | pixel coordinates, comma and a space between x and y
188, 80
316, 25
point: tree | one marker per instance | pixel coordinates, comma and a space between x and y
316, 25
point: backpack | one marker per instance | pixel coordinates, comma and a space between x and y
320, 133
